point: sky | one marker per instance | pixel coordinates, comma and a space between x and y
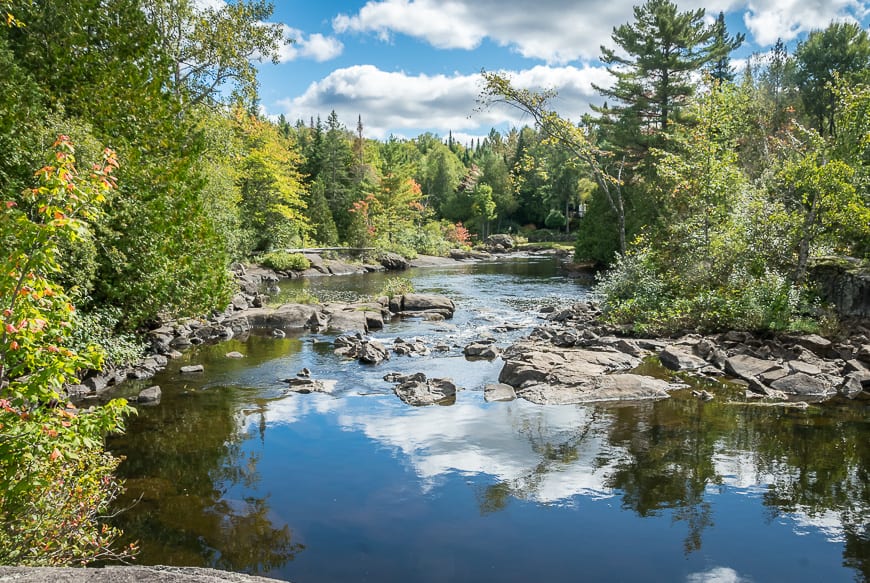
412, 66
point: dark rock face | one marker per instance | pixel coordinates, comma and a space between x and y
845, 283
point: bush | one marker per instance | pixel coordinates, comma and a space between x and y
100, 327
283, 261
397, 286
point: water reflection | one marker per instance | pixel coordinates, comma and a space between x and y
233, 473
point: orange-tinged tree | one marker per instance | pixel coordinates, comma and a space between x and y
55, 477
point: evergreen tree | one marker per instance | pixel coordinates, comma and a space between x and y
653, 61
842, 49
335, 173
720, 50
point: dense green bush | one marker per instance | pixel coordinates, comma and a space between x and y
397, 286
100, 327
283, 261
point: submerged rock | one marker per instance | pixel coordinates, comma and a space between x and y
430, 392
151, 395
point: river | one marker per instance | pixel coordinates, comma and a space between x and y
229, 471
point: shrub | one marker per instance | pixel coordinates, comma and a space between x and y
100, 327
397, 286
283, 261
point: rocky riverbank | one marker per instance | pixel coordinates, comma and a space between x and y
573, 358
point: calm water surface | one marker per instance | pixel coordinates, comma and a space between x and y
231, 472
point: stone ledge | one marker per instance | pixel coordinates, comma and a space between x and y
157, 574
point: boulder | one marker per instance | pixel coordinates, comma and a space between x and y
283, 317
430, 392
803, 385
818, 345
235, 354
336, 267
393, 262
501, 240
373, 352
149, 395
192, 368
748, 367
678, 358
412, 347
395, 377
852, 385
345, 318
482, 350
498, 392
428, 303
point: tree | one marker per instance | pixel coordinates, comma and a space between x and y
483, 207
606, 171
55, 478
212, 48
720, 50
652, 63
842, 49
335, 173
272, 201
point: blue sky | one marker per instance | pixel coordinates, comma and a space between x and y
409, 66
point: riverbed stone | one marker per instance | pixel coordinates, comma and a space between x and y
191, 368
748, 367
430, 392
803, 385
305, 386
590, 389
495, 392
125, 574
428, 303
678, 358
482, 350
234, 354
149, 395
393, 261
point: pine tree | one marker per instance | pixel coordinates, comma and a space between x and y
653, 61
720, 50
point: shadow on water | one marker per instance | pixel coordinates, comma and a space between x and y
234, 473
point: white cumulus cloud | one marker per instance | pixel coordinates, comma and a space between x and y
388, 100
559, 32
316, 46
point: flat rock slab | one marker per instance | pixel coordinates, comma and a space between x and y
498, 392
286, 316
748, 367
615, 387
677, 358
802, 384
542, 363
158, 574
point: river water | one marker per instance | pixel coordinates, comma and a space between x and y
229, 471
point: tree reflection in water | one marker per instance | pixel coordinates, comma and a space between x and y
675, 455
179, 488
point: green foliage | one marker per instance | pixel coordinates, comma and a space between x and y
55, 478
101, 326
840, 50
283, 261
397, 286
555, 219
